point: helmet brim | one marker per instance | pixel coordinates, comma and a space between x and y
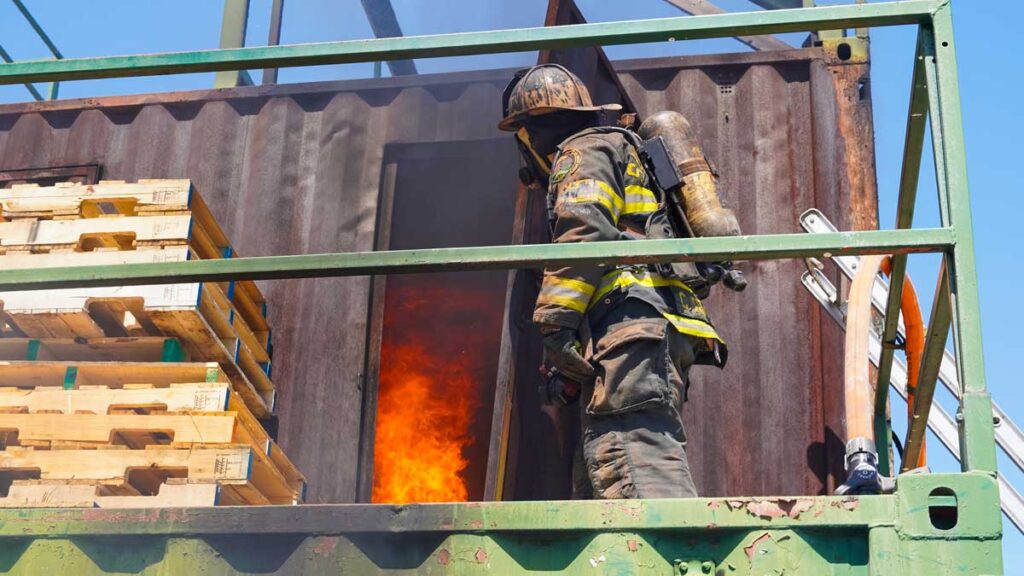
513, 122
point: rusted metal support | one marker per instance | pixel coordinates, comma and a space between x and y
704, 8
931, 361
384, 22
232, 35
274, 38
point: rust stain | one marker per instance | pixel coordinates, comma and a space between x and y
631, 545
752, 549
476, 525
326, 546
765, 509
481, 556
444, 557
714, 504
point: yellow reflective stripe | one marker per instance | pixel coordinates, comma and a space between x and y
639, 200
625, 278
569, 283
563, 301
692, 327
633, 170
593, 191
566, 292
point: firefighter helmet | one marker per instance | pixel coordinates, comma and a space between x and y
545, 89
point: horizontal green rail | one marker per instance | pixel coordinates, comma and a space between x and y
763, 247
383, 49
665, 514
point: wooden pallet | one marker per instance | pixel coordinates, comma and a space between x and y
248, 319
147, 399
198, 315
61, 432
134, 472
145, 198
171, 494
108, 198
129, 349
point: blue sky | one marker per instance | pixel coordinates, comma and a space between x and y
986, 45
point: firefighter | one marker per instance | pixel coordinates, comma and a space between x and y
628, 334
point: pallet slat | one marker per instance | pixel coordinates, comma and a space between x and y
52, 495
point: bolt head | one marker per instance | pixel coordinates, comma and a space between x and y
707, 567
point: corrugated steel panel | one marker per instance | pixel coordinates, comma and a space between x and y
297, 169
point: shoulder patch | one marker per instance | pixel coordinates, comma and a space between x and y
567, 163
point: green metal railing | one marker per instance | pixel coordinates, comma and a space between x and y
934, 98
934, 94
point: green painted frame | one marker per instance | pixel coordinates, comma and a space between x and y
934, 95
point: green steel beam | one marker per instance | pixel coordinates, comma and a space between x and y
931, 359
823, 536
977, 433
233, 25
652, 515
917, 117
610, 33
764, 247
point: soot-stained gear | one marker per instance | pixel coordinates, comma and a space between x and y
545, 89
606, 194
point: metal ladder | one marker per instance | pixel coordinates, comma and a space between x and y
1008, 435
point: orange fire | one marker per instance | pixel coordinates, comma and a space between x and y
429, 389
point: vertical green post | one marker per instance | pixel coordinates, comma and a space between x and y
977, 435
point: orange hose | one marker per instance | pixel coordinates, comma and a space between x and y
914, 323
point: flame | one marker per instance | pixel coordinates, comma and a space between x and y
427, 394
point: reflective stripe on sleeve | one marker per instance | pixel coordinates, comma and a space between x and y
566, 292
639, 200
588, 190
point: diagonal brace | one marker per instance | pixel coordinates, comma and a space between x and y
931, 360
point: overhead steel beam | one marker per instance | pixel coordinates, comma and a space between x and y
39, 29
54, 86
384, 22
606, 33
28, 85
273, 38
778, 4
232, 35
705, 8
763, 247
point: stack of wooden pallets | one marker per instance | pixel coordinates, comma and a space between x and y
132, 396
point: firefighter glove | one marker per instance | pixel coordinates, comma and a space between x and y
562, 351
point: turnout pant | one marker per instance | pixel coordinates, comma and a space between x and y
633, 442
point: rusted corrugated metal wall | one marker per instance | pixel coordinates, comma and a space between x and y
289, 170
771, 421
297, 169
